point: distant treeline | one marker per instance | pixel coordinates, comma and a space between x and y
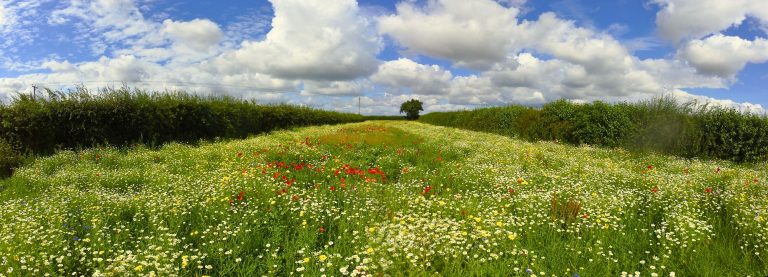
660, 125
119, 117
384, 117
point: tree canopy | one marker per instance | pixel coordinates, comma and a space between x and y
411, 108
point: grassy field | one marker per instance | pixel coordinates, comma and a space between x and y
382, 198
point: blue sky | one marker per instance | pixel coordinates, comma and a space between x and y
452, 54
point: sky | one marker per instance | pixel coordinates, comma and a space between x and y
450, 54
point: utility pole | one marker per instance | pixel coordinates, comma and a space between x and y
34, 92
358, 105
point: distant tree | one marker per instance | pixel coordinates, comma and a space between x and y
411, 108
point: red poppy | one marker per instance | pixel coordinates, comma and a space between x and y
717, 170
321, 230
650, 167
239, 154
241, 196
405, 170
295, 197
426, 190
333, 188
585, 216
708, 190
511, 191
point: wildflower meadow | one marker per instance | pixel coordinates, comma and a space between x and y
382, 198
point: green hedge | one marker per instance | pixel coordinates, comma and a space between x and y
9, 159
661, 125
121, 117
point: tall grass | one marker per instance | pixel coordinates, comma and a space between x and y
660, 125
118, 117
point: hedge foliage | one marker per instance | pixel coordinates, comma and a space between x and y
119, 117
660, 125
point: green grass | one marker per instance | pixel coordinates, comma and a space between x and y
384, 197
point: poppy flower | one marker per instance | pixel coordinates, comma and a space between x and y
708, 190
655, 189
585, 216
650, 167
333, 188
241, 196
427, 189
321, 230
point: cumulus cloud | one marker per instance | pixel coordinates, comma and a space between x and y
322, 53
581, 64
680, 20
724, 56
314, 48
686, 97
197, 35
404, 75
480, 90
312, 40
472, 33
336, 88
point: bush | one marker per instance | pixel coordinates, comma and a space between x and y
660, 125
9, 159
119, 117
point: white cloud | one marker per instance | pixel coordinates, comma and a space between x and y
114, 20
325, 46
479, 90
472, 33
314, 40
3, 17
335, 88
724, 56
691, 19
404, 75
563, 40
320, 53
685, 97
197, 35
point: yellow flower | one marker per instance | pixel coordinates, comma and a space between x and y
323, 258
306, 260
139, 268
499, 224
372, 229
512, 236
369, 251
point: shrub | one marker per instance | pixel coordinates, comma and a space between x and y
9, 159
660, 125
122, 116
